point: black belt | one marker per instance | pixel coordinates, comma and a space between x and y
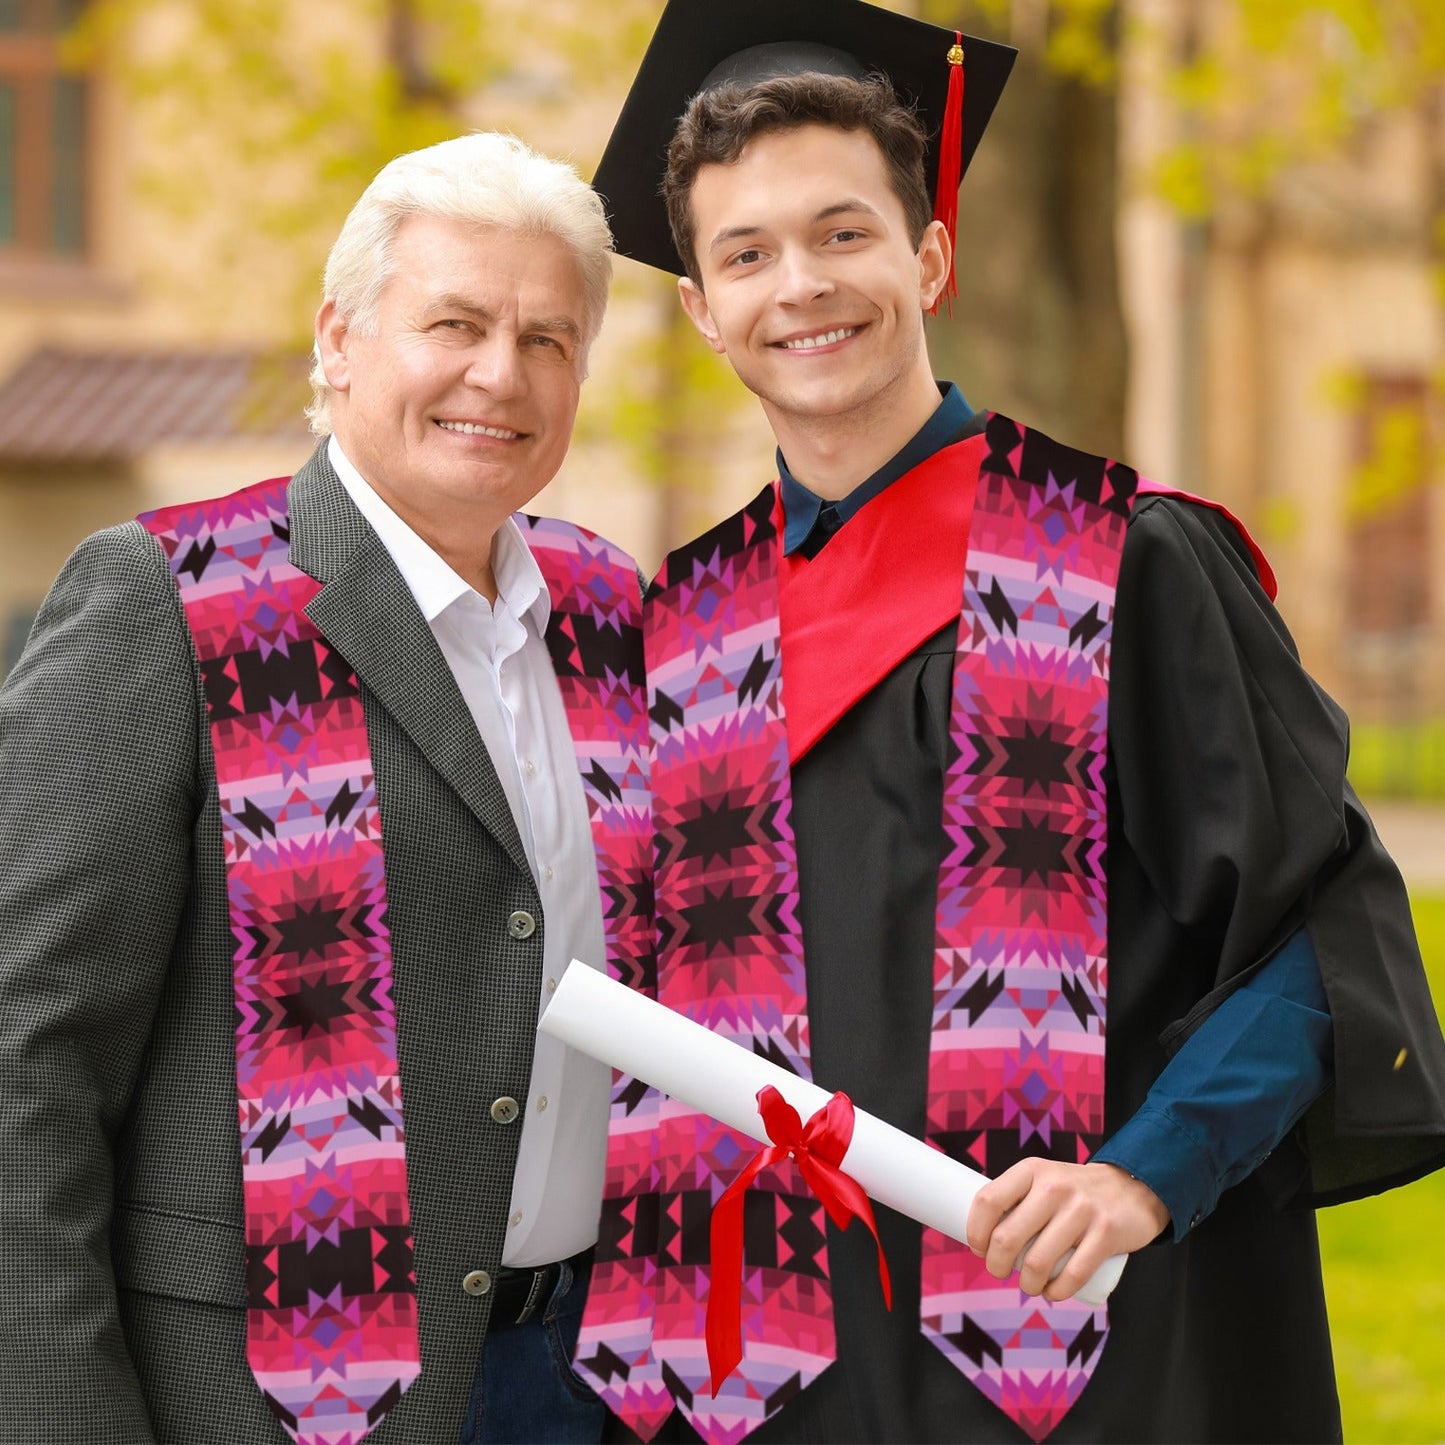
520, 1294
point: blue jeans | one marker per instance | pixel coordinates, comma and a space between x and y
525, 1392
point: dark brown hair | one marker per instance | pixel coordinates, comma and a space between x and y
719, 123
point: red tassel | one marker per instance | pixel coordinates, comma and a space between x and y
950, 166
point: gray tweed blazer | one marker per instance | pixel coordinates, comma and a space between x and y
121, 1312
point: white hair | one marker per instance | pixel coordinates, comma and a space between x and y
485, 178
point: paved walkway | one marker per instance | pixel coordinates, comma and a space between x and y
1415, 835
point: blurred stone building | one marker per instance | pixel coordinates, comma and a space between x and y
109, 401
1287, 356
143, 361
1284, 355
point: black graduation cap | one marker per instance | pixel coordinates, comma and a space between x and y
699, 44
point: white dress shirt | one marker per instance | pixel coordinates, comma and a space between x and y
500, 662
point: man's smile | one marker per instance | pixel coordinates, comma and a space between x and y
819, 340
469, 428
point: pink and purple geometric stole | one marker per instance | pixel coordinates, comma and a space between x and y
1016, 1066
595, 639
1020, 972
730, 957
332, 1326
332, 1332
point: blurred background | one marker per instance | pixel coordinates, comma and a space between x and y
1203, 236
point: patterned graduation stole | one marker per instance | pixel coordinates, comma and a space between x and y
730, 956
330, 1278
611, 731
1016, 1064
332, 1330
594, 638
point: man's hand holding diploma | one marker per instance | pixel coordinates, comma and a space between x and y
1097, 1210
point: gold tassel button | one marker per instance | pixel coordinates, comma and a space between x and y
955, 55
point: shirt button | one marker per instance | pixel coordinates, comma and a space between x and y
516, 1219
548, 874
551, 985
505, 1110
478, 1282
542, 1104
521, 924
529, 767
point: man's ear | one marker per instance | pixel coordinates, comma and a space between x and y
699, 313
332, 334
935, 255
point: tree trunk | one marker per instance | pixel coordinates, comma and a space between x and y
1037, 330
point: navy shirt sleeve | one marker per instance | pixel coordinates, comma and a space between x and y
1236, 1087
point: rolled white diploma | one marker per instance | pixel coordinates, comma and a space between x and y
621, 1027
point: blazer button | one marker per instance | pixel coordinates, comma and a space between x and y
521, 924
505, 1110
478, 1282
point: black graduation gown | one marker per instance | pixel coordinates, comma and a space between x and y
1230, 822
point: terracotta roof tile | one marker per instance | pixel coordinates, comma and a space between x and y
61, 405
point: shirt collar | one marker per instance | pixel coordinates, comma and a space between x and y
431, 579
951, 419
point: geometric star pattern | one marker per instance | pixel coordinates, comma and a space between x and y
729, 951
594, 636
595, 640
1016, 1066
331, 1283
332, 1329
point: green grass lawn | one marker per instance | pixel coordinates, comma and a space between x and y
1385, 1279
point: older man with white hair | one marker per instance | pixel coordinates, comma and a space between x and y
309, 793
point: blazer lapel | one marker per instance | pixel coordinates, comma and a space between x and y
367, 613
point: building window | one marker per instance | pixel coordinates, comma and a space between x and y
43, 126
1390, 575
1388, 508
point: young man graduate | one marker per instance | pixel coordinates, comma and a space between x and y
964, 743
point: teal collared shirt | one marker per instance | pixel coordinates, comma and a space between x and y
811, 521
1245, 1077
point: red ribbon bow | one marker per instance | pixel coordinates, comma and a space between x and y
818, 1147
